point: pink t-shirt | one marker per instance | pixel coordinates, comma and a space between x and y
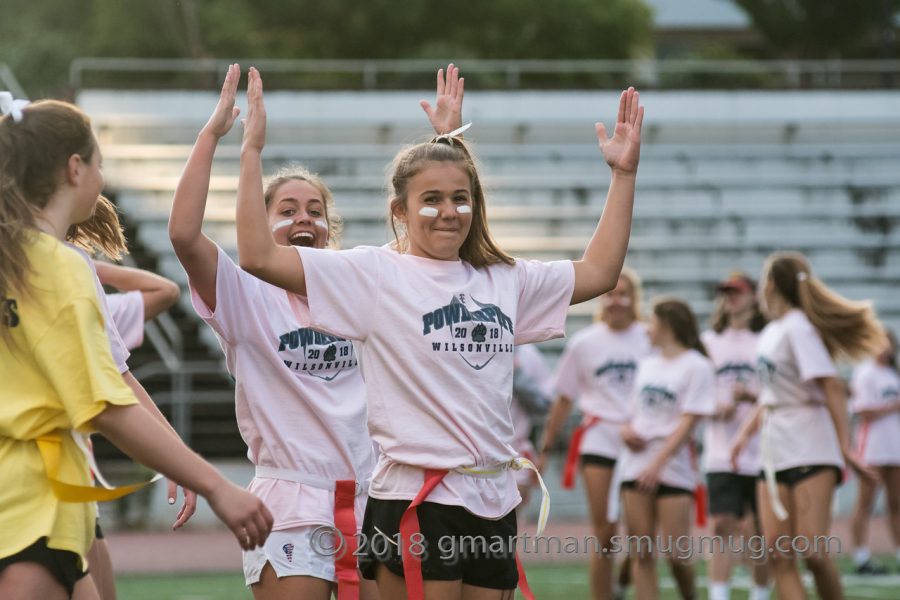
436, 349
127, 311
299, 397
877, 386
790, 356
733, 352
664, 390
597, 369
118, 348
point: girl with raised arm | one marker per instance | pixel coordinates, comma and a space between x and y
436, 319
57, 376
802, 412
300, 397
597, 370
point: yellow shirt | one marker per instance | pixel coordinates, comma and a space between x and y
57, 374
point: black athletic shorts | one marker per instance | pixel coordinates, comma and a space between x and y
65, 566
457, 545
793, 476
596, 459
731, 494
661, 490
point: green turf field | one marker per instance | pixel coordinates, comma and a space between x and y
557, 582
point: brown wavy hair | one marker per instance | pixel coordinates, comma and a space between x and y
479, 248
677, 314
718, 320
33, 155
102, 233
848, 328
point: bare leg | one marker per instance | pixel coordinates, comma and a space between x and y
271, 587
640, 520
788, 584
675, 521
891, 478
27, 581
597, 481
862, 512
812, 501
720, 563
101, 569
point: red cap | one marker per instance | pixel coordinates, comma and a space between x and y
738, 282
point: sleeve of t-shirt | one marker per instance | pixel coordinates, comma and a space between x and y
235, 293
567, 380
75, 358
813, 360
127, 312
545, 292
863, 390
700, 392
343, 290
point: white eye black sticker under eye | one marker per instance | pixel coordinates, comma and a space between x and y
428, 211
281, 224
322, 223
463, 209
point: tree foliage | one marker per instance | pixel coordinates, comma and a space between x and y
39, 38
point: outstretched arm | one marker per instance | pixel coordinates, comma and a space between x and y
197, 253
446, 115
259, 255
598, 271
158, 292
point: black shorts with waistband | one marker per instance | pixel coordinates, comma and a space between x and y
63, 565
457, 545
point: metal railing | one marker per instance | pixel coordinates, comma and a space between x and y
9, 82
511, 74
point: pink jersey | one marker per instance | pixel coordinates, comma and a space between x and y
531, 363
299, 397
436, 348
790, 356
664, 390
877, 386
733, 352
119, 350
127, 310
597, 369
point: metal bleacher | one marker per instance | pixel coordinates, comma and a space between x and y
726, 177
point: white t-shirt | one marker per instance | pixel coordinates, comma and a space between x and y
299, 397
733, 352
597, 369
876, 386
790, 356
127, 311
664, 390
436, 343
118, 348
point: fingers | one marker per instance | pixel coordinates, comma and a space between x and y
462, 88
172, 492
235, 112
635, 99
620, 118
427, 108
600, 128
248, 535
187, 509
453, 79
440, 82
640, 120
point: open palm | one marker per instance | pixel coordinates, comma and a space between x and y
446, 114
623, 151
226, 112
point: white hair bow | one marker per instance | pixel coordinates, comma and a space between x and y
10, 106
455, 133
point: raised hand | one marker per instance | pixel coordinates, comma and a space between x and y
446, 115
255, 122
623, 151
226, 112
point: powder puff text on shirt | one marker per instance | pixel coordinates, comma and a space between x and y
659, 399
476, 335
620, 373
738, 372
309, 351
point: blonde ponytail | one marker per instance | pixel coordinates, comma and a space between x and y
848, 328
101, 233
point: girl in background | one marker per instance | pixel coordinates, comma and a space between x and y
673, 391
597, 369
802, 414
876, 402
